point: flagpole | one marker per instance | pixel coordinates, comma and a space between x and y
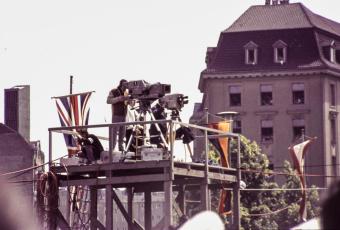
71, 84
304, 179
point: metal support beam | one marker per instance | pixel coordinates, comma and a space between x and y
108, 192
167, 204
132, 223
49, 150
61, 221
130, 204
181, 199
204, 186
109, 207
236, 189
93, 208
147, 211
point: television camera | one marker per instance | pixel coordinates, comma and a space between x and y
174, 101
143, 90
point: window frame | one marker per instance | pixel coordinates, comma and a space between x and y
251, 46
264, 89
267, 126
237, 126
237, 92
280, 45
298, 124
332, 95
295, 93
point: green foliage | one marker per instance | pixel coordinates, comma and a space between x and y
274, 209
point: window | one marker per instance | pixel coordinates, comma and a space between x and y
298, 128
250, 53
266, 94
333, 130
267, 131
237, 126
332, 94
280, 52
331, 53
235, 95
298, 93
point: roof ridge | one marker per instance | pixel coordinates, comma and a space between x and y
304, 10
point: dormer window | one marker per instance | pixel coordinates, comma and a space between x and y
331, 53
250, 53
280, 52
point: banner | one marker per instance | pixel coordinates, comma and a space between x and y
73, 110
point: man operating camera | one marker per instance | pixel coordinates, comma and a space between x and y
117, 98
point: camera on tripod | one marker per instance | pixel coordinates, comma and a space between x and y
174, 101
143, 90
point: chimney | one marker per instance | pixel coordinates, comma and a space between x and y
275, 2
283, 2
267, 2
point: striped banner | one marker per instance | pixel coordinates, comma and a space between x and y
73, 110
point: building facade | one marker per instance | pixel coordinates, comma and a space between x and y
17, 109
278, 66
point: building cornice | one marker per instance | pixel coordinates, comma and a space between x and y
261, 74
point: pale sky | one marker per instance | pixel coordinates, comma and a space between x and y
43, 42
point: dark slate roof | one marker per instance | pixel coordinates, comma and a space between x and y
278, 17
13, 144
5, 129
302, 51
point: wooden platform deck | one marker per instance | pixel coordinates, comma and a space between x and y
137, 173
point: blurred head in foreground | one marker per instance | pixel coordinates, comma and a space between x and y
330, 209
206, 220
14, 212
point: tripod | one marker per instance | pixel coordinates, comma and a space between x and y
144, 110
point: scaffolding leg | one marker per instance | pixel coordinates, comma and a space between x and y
168, 204
205, 198
109, 207
147, 211
93, 208
130, 205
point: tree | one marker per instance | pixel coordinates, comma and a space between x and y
268, 209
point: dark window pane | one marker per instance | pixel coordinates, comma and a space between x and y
267, 134
332, 94
237, 126
251, 56
333, 131
266, 98
298, 132
298, 97
280, 55
235, 99
337, 56
326, 52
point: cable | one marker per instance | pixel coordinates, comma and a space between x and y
30, 168
286, 174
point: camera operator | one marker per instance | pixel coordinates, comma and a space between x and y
90, 146
118, 97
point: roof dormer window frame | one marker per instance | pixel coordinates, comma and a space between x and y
332, 57
280, 52
251, 53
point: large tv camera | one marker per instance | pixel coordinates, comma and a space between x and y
143, 90
174, 101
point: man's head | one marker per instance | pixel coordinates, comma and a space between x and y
121, 84
83, 132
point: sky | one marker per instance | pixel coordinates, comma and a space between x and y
99, 42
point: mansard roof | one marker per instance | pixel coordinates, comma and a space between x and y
278, 17
304, 33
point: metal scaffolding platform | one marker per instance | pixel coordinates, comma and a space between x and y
146, 177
